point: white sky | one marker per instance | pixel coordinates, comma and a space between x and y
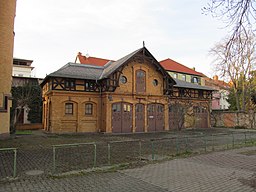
52, 32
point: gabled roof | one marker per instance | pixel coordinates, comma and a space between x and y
188, 85
90, 60
86, 71
171, 65
112, 66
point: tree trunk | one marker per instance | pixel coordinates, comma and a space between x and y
237, 99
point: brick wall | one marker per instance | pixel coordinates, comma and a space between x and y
233, 119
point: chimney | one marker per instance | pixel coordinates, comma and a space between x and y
215, 78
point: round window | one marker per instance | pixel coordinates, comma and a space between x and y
155, 82
123, 79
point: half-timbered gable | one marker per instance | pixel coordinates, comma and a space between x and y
132, 94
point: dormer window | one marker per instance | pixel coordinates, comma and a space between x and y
195, 80
183, 77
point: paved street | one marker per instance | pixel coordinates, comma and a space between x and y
232, 170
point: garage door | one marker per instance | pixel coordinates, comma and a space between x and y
155, 117
176, 116
121, 117
201, 117
139, 117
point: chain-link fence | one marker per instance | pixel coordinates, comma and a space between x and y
84, 156
8, 162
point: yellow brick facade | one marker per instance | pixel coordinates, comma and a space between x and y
101, 120
7, 14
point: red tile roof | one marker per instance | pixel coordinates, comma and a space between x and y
171, 65
91, 60
215, 82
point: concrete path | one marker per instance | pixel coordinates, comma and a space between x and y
232, 170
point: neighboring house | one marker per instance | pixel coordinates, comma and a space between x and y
22, 67
181, 72
132, 94
23, 74
220, 95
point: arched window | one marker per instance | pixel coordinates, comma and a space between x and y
88, 109
140, 81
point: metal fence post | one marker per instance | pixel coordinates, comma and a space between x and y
109, 156
95, 155
212, 142
15, 163
140, 150
152, 147
233, 141
54, 160
205, 144
227, 142
177, 145
186, 141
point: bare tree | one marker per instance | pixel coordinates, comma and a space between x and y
235, 62
240, 15
24, 97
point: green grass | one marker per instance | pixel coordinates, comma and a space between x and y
23, 132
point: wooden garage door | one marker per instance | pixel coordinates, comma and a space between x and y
201, 117
155, 117
139, 117
176, 116
121, 117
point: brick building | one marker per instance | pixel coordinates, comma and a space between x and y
132, 94
7, 15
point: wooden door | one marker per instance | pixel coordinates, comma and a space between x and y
155, 117
139, 117
176, 116
116, 118
159, 114
126, 118
121, 117
204, 117
151, 117
201, 117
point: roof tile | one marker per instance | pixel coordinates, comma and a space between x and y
171, 65
91, 60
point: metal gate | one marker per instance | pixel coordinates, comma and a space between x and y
155, 117
139, 117
176, 116
121, 117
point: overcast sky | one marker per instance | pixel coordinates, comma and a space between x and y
52, 32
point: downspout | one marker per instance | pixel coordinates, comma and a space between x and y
101, 107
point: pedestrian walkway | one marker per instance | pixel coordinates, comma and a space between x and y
232, 170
